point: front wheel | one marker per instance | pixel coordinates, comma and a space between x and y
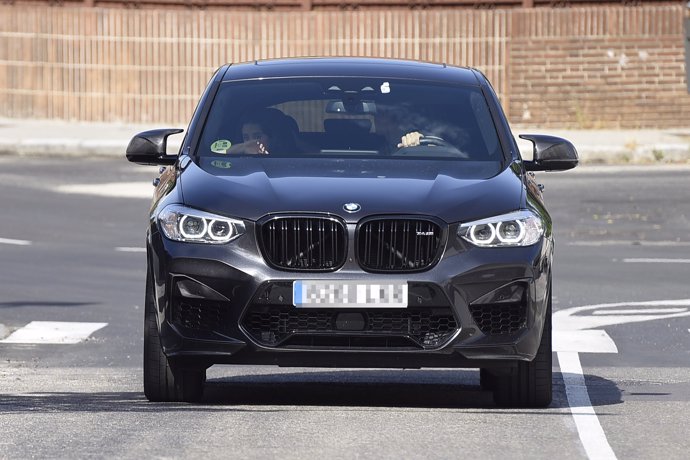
164, 382
530, 384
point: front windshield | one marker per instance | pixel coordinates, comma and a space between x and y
350, 117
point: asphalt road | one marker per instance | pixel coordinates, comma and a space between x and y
623, 236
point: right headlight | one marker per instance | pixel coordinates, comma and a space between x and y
519, 228
180, 223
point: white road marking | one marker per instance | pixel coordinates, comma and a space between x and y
629, 243
129, 249
589, 429
15, 242
112, 189
641, 311
573, 319
53, 332
656, 261
595, 341
574, 333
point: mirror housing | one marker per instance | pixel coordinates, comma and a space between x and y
550, 153
149, 147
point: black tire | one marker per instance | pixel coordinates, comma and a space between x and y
486, 379
164, 382
530, 385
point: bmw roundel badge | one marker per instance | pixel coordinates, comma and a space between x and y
351, 207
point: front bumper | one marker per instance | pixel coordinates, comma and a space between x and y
207, 321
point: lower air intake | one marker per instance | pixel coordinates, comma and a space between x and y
495, 319
284, 326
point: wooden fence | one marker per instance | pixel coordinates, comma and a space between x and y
308, 5
98, 64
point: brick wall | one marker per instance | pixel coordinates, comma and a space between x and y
609, 68
576, 67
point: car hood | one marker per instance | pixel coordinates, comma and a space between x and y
250, 188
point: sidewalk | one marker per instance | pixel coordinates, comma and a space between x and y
38, 137
48, 137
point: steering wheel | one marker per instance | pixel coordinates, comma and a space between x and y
434, 141
426, 141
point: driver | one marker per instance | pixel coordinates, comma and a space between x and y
388, 122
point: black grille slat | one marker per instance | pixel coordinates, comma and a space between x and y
304, 243
398, 245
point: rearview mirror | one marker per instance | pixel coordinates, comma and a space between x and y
550, 153
351, 106
149, 147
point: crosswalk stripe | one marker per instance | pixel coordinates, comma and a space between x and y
113, 189
14, 242
129, 249
53, 332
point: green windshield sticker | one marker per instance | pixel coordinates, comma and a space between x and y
221, 164
220, 146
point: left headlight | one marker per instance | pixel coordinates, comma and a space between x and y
180, 223
519, 228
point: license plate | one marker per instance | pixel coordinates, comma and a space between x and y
349, 294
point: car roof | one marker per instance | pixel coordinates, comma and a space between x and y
351, 67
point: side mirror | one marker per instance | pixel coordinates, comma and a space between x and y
149, 147
550, 153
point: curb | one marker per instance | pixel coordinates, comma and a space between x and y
70, 147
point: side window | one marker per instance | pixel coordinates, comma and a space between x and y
485, 123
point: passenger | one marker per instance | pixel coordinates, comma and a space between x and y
256, 138
265, 132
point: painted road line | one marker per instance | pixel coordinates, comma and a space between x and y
629, 243
574, 332
641, 311
15, 242
113, 189
656, 261
129, 249
592, 341
602, 315
589, 429
53, 332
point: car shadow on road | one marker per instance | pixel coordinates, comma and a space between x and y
427, 388
433, 389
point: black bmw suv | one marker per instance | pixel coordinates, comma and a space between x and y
343, 212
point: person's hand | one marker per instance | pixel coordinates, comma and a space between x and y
410, 139
257, 147
249, 147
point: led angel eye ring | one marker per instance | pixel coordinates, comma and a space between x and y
231, 231
482, 242
187, 235
517, 239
